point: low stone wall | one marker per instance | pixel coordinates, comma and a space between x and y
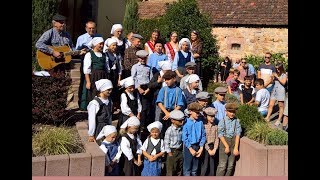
259, 160
90, 163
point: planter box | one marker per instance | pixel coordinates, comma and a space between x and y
90, 163
260, 160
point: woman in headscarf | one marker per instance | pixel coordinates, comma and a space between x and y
116, 33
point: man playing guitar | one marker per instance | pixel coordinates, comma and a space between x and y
56, 36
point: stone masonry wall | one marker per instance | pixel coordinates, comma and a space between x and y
253, 41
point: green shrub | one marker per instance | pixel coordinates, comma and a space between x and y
49, 98
258, 132
257, 60
277, 137
213, 85
130, 16
56, 141
248, 115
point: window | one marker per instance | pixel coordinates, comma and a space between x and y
235, 46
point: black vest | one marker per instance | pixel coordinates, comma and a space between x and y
133, 144
104, 115
133, 104
151, 146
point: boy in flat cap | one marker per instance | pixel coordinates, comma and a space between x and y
218, 104
173, 144
56, 36
229, 130
194, 138
207, 159
142, 74
130, 57
190, 68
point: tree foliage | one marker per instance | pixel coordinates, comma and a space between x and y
130, 16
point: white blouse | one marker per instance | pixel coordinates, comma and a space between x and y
87, 62
154, 142
125, 109
125, 146
93, 108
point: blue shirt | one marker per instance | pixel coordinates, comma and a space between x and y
141, 74
251, 70
229, 127
220, 107
84, 39
153, 60
193, 132
176, 59
174, 96
53, 38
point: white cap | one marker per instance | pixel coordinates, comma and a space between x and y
192, 78
184, 40
131, 121
95, 41
106, 130
156, 124
165, 65
177, 115
115, 27
127, 82
103, 84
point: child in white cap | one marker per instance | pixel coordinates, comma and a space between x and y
112, 150
192, 88
100, 109
130, 101
94, 66
173, 144
131, 147
116, 34
153, 150
210, 148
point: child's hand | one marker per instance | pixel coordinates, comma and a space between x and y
166, 117
193, 152
146, 91
236, 152
170, 154
141, 91
91, 139
227, 150
199, 152
151, 158
88, 85
139, 162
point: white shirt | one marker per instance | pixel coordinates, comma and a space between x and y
105, 150
125, 146
93, 108
87, 62
154, 142
263, 97
125, 109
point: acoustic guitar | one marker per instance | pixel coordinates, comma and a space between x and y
48, 61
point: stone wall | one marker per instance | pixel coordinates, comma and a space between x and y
255, 41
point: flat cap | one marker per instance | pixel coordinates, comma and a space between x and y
210, 111
177, 115
202, 95
190, 64
142, 53
137, 36
59, 17
231, 106
220, 90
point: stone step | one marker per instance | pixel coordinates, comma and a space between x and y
76, 81
75, 73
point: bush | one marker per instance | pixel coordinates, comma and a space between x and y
277, 137
258, 132
56, 141
212, 86
248, 115
257, 60
49, 98
130, 16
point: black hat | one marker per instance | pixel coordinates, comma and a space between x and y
58, 17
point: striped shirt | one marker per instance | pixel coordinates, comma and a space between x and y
53, 38
211, 135
173, 138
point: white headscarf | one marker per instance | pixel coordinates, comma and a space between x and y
127, 82
103, 84
192, 78
106, 130
131, 121
184, 40
156, 124
115, 27
165, 65
95, 41
108, 42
